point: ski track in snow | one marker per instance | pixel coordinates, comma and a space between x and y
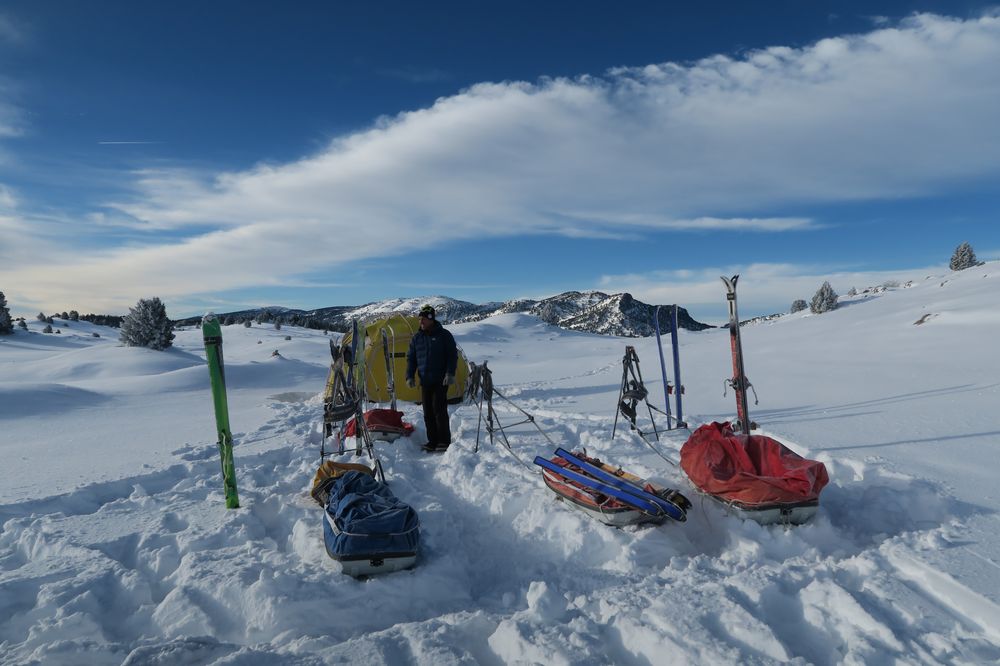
150, 569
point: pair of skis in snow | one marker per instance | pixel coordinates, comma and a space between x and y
668, 503
677, 389
739, 381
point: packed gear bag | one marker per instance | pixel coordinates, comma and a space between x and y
368, 529
750, 470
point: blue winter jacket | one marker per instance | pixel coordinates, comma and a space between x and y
432, 355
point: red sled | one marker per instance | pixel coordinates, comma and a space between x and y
756, 477
384, 424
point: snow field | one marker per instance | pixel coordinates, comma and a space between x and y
117, 548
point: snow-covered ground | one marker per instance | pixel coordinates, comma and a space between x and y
116, 546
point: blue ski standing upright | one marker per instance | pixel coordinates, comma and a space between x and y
677, 388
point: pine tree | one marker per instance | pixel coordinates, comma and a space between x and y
41, 316
963, 258
23, 324
824, 300
147, 325
6, 324
47, 329
799, 305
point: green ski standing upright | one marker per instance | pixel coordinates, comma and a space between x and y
212, 332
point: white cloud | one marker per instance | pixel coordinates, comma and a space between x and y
899, 112
8, 200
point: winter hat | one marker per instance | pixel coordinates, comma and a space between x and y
427, 311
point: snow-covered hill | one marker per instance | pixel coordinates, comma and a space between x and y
116, 546
593, 311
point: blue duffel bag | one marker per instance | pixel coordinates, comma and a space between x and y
368, 529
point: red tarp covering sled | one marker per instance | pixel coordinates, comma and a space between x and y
385, 422
750, 471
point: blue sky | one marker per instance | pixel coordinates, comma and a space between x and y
234, 154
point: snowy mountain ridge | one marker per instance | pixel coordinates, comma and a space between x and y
587, 311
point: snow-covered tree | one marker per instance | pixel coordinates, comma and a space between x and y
6, 323
47, 329
147, 325
74, 315
963, 258
247, 324
41, 317
23, 324
799, 304
277, 324
824, 300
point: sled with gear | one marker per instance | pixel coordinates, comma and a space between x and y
385, 425
753, 476
366, 528
608, 493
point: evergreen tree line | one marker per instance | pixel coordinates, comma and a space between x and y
825, 298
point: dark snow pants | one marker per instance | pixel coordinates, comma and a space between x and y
435, 402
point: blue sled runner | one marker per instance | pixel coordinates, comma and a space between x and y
609, 494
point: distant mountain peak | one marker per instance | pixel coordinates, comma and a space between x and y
590, 311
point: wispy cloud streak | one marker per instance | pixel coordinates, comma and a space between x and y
901, 111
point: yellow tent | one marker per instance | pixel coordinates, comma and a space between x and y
399, 329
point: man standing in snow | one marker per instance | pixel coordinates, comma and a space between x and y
433, 357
